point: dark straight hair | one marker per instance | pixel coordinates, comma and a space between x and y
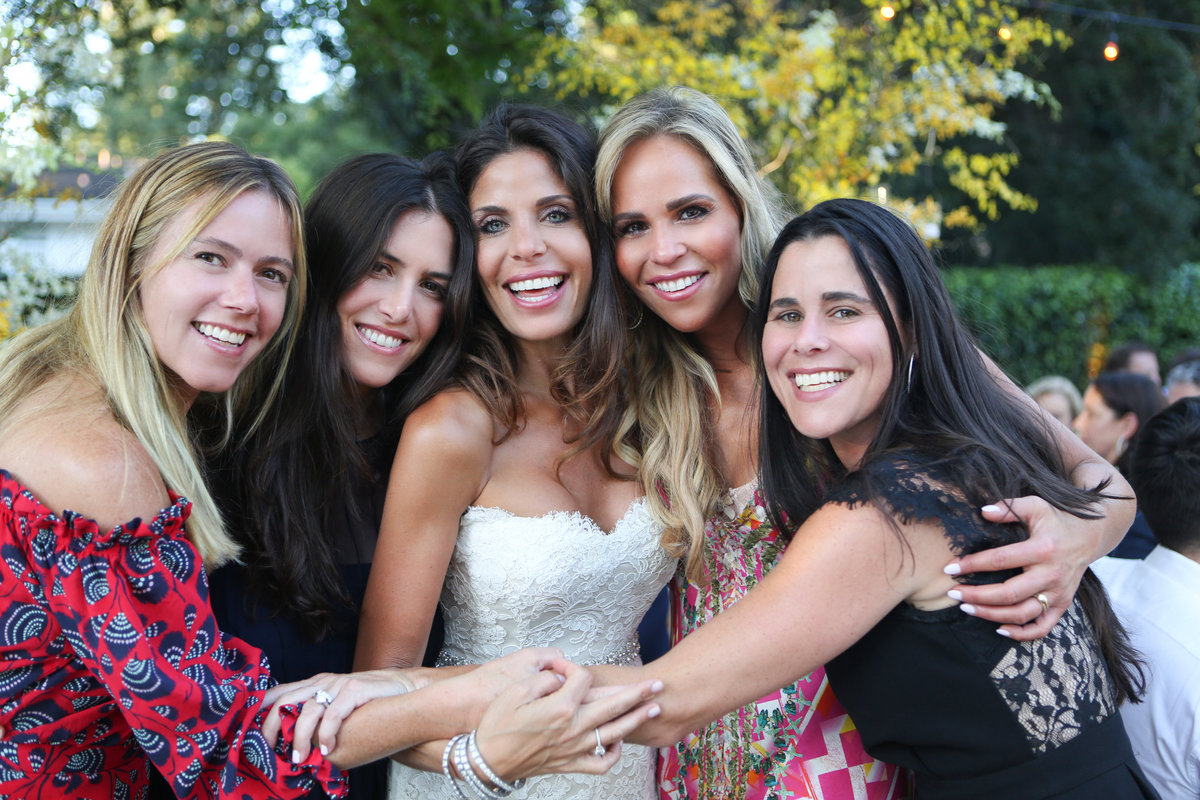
1164, 470
952, 410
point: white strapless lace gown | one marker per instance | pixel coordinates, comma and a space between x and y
556, 580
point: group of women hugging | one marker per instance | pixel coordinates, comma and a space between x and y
476, 412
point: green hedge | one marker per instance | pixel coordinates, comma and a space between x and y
1038, 321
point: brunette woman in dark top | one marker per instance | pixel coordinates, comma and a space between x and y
391, 253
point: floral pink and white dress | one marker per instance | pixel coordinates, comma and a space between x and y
794, 743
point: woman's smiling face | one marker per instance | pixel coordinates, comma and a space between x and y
392, 314
678, 233
533, 257
212, 308
825, 346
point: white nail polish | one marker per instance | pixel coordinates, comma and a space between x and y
990, 509
954, 594
967, 608
952, 569
1004, 633
324, 750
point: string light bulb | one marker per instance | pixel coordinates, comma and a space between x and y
1111, 51
887, 11
1005, 31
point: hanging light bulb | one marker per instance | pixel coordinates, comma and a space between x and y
887, 11
1111, 51
1005, 31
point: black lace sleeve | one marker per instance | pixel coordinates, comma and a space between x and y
914, 489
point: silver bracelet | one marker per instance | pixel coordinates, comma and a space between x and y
502, 785
450, 745
462, 764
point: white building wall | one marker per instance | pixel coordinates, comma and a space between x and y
58, 233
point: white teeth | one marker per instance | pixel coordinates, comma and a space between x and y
816, 381
677, 284
221, 334
535, 283
381, 339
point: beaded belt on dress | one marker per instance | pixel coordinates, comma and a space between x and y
626, 655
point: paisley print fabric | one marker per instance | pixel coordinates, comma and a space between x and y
112, 660
795, 743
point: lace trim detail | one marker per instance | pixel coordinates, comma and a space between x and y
917, 491
623, 657
1058, 686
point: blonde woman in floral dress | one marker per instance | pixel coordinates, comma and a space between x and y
693, 222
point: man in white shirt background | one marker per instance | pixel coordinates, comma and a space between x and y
1158, 600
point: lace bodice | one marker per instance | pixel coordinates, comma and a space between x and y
556, 580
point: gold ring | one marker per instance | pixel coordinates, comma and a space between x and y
1045, 601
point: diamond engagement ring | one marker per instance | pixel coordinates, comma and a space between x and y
600, 750
323, 697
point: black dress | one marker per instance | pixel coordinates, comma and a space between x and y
971, 713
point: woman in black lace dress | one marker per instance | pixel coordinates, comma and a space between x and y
883, 433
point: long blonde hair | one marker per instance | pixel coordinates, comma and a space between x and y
666, 430
103, 339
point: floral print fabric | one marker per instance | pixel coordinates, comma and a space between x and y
112, 659
795, 743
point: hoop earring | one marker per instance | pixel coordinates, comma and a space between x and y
911, 359
641, 309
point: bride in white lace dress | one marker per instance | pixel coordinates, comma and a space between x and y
505, 484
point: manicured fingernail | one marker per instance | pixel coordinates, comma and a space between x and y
295, 756
990, 509
653, 712
967, 608
324, 750
1004, 633
952, 569
656, 687
954, 594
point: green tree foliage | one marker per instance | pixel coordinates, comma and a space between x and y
837, 100
129, 76
427, 70
1117, 172
1063, 320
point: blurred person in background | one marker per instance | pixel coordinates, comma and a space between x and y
1115, 406
1058, 396
1158, 600
1136, 357
1183, 376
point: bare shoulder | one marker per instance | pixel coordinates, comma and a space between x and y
73, 455
448, 440
454, 421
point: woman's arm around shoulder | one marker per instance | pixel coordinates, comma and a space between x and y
441, 466
1060, 545
844, 570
